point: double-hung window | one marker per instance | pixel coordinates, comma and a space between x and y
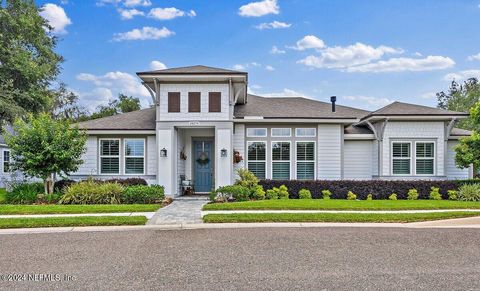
401, 158
6, 161
110, 156
281, 160
305, 160
134, 156
424, 158
257, 158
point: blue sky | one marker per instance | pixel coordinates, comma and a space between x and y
368, 53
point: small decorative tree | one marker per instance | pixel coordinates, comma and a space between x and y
44, 148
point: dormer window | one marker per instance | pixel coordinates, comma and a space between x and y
214, 102
173, 101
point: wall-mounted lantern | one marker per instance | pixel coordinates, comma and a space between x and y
223, 153
163, 153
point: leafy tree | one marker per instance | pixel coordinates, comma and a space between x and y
467, 152
44, 148
65, 105
123, 104
28, 63
461, 97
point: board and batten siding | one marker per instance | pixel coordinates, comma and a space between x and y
239, 145
358, 157
452, 171
329, 151
414, 131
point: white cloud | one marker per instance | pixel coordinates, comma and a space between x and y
462, 75
261, 8
129, 13
238, 67
429, 63
241, 67
269, 68
343, 57
417, 54
157, 65
285, 93
56, 17
109, 85
169, 13
309, 42
276, 51
144, 33
273, 25
105, 2
133, 3
368, 102
474, 57
428, 95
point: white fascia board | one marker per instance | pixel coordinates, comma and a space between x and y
126, 132
359, 136
299, 120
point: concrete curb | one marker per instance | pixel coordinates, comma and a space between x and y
444, 224
148, 215
337, 211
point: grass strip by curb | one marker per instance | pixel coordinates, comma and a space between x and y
7, 209
332, 217
3, 194
339, 204
71, 221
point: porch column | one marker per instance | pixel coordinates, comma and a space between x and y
166, 165
223, 165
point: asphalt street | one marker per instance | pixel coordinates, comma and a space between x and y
244, 259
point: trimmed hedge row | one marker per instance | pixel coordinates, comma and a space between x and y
380, 189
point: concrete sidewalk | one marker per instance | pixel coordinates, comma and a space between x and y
148, 215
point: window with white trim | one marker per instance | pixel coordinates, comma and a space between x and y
305, 132
6, 161
256, 132
135, 156
401, 158
305, 160
424, 158
281, 132
257, 159
280, 160
110, 156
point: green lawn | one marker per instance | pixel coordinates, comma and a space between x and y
338, 204
332, 217
7, 209
71, 221
3, 193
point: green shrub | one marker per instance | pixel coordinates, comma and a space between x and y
246, 179
142, 194
258, 193
305, 194
351, 196
370, 197
49, 198
283, 192
393, 196
213, 195
412, 194
24, 193
452, 194
469, 192
435, 194
326, 194
238, 192
272, 193
90, 192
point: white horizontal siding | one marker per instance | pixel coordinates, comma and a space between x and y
358, 160
329, 149
90, 161
451, 169
151, 155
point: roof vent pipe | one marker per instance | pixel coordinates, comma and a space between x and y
333, 99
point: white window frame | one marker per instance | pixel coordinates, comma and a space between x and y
249, 135
433, 158
412, 170
3, 160
266, 155
100, 156
281, 128
125, 156
299, 135
272, 161
314, 158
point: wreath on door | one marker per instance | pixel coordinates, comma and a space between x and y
203, 159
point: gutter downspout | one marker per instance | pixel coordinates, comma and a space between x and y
379, 137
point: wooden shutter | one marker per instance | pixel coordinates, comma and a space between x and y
173, 101
193, 101
214, 102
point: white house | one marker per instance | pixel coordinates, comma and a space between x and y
203, 118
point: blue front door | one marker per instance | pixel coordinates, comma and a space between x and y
203, 159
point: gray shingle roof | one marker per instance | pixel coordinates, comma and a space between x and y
460, 132
198, 69
293, 107
401, 108
357, 130
136, 120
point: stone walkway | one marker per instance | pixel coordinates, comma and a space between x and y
183, 210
